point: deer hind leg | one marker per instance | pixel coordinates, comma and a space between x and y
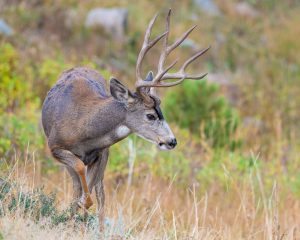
95, 179
73, 162
77, 189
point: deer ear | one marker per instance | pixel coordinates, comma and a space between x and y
149, 77
120, 92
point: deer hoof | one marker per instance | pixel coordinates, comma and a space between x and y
85, 202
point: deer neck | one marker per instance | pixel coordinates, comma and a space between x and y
112, 116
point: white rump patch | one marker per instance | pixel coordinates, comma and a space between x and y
122, 131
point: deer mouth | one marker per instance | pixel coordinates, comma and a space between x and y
165, 146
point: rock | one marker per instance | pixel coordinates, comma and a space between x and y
219, 78
112, 20
208, 6
5, 29
246, 10
71, 19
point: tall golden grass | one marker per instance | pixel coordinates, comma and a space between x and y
155, 209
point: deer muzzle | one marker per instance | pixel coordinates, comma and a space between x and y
168, 145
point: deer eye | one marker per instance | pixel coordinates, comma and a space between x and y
151, 117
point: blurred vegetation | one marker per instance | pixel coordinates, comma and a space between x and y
221, 128
15, 89
197, 107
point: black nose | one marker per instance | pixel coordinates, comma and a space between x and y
172, 143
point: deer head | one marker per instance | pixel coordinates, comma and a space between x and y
144, 116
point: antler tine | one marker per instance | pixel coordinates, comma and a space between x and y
192, 77
193, 58
149, 29
164, 53
168, 49
171, 84
181, 72
167, 69
147, 45
185, 76
180, 40
167, 28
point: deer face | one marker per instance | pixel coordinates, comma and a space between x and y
144, 118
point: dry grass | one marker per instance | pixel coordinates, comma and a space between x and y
153, 209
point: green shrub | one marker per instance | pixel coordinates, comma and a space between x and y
14, 87
37, 205
197, 107
21, 131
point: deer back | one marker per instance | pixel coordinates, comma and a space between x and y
77, 108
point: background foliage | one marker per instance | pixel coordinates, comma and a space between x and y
248, 106
197, 107
237, 130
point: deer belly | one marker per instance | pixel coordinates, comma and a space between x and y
91, 157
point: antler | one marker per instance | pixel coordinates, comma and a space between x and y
162, 74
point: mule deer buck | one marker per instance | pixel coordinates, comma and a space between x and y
82, 120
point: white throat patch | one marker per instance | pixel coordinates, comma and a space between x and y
122, 131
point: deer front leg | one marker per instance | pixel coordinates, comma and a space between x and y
69, 159
95, 175
100, 195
